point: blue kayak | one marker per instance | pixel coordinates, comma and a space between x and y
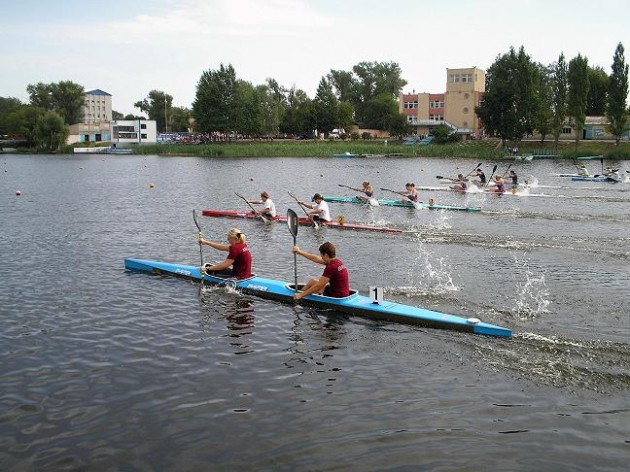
398, 203
595, 179
354, 304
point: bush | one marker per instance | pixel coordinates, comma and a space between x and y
354, 135
366, 135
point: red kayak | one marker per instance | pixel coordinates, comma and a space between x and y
302, 221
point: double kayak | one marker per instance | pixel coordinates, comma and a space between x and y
398, 203
355, 304
302, 221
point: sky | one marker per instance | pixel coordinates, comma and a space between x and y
128, 48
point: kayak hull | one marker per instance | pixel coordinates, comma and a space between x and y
301, 221
397, 203
355, 304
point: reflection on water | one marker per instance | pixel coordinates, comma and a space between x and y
105, 369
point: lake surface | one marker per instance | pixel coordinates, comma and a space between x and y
105, 369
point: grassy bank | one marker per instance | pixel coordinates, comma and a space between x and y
483, 150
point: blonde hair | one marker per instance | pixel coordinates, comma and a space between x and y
236, 233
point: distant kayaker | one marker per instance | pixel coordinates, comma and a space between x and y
238, 257
461, 186
499, 185
319, 209
482, 177
512, 175
334, 282
582, 170
269, 208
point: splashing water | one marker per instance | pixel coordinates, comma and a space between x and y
428, 275
532, 299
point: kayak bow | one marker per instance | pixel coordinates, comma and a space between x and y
354, 304
397, 203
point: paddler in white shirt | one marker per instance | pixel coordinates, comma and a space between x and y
319, 209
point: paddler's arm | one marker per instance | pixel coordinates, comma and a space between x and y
219, 246
311, 257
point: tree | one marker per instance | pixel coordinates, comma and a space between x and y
65, 98
22, 122
50, 132
273, 106
117, 115
326, 107
559, 97
180, 119
245, 112
398, 126
617, 110
510, 103
577, 78
345, 116
299, 117
345, 85
544, 114
158, 106
7, 106
214, 99
597, 92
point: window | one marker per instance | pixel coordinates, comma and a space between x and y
467, 78
436, 104
466, 96
144, 136
566, 131
410, 105
465, 110
143, 126
436, 117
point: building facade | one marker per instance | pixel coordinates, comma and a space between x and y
454, 108
97, 107
134, 131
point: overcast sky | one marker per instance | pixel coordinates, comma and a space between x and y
128, 48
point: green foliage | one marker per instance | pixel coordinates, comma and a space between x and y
7, 106
577, 78
510, 104
65, 98
597, 92
442, 134
22, 121
544, 114
326, 107
559, 97
617, 110
50, 132
158, 106
214, 99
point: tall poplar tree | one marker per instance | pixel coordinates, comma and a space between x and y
326, 107
559, 96
577, 78
617, 110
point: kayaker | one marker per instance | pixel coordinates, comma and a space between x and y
367, 189
238, 257
410, 193
461, 186
499, 185
582, 170
482, 176
319, 209
334, 282
512, 175
269, 208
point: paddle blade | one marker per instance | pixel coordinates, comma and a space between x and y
292, 222
196, 220
439, 177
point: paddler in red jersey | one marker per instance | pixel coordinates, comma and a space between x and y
238, 256
334, 282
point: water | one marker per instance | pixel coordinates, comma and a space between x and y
104, 369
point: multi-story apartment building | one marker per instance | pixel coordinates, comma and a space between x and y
97, 106
455, 107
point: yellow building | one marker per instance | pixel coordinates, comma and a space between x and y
454, 108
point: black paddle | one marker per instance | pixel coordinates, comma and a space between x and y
261, 216
303, 209
371, 200
292, 223
416, 205
200, 245
494, 169
466, 176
